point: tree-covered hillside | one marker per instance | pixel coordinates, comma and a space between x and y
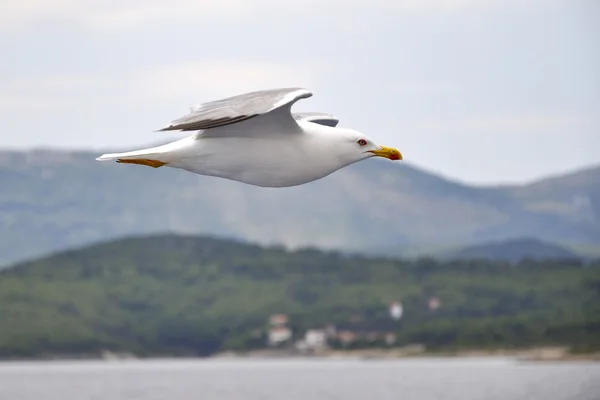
197, 295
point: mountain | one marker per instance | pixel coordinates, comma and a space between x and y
514, 250
52, 200
188, 295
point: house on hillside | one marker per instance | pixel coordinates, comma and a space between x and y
395, 309
370, 336
316, 339
433, 303
278, 320
346, 337
278, 335
278, 331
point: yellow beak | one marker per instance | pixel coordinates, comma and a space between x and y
387, 152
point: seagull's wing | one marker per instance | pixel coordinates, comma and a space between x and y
317, 118
237, 108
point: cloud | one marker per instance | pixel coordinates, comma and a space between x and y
529, 123
221, 78
48, 83
44, 93
133, 13
19, 103
193, 81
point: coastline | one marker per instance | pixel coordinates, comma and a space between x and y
537, 354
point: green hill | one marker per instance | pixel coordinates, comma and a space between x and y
53, 200
197, 295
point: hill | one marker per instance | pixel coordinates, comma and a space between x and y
197, 295
514, 250
53, 200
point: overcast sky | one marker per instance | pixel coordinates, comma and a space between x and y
482, 91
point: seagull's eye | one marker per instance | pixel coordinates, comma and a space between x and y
362, 142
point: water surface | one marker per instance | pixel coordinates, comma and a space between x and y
295, 379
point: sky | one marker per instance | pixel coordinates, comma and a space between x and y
485, 92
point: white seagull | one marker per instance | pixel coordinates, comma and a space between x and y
255, 138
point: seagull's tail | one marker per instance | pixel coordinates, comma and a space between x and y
150, 157
154, 156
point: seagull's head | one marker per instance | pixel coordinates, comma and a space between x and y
358, 147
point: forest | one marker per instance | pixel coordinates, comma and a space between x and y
195, 296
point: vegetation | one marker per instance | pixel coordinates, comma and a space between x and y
197, 295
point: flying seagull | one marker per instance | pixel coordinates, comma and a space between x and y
255, 138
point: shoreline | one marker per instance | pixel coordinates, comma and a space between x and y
537, 354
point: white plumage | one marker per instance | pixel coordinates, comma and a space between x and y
256, 139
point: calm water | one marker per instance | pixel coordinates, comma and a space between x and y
429, 379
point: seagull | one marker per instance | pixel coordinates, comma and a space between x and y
256, 139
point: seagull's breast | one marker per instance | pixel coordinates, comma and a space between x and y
269, 161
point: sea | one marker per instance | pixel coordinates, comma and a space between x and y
300, 379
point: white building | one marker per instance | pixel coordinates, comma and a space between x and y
315, 339
279, 335
396, 310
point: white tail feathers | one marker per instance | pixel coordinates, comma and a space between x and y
147, 157
107, 157
146, 153
163, 153
154, 156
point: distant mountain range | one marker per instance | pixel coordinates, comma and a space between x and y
514, 250
53, 200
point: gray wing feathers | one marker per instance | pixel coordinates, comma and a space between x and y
236, 109
318, 118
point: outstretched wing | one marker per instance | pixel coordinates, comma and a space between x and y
317, 118
237, 108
